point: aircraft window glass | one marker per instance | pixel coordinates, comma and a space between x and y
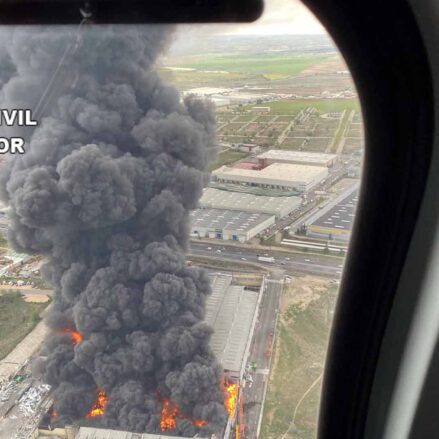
143, 167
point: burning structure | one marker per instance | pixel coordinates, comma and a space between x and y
103, 192
232, 311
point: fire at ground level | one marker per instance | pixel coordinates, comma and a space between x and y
244, 321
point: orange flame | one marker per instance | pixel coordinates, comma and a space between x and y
170, 413
99, 406
199, 422
75, 336
52, 412
231, 393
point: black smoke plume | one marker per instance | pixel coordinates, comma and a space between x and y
103, 192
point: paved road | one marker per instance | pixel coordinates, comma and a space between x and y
260, 354
290, 263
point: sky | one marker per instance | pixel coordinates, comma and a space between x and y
280, 17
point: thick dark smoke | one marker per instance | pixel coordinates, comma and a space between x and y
103, 192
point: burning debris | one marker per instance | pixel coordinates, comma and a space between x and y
75, 336
231, 393
170, 413
99, 406
103, 192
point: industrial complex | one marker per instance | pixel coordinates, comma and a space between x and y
244, 200
232, 311
127, 317
243, 318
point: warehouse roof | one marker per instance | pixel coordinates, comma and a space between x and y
220, 199
309, 157
230, 310
341, 215
220, 219
103, 433
287, 172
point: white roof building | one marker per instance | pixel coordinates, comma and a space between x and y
104, 433
299, 157
284, 176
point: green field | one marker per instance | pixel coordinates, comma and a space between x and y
322, 105
288, 64
185, 80
226, 157
17, 319
301, 340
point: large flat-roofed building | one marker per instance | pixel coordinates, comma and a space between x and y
231, 310
297, 157
335, 222
228, 224
74, 432
221, 199
283, 176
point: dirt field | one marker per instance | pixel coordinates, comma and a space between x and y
301, 338
329, 66
247, 279
17, 319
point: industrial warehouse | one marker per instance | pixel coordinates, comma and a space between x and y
232, 312
296, 157
335, 220
282, 176
72, 432
221, 199
228, 224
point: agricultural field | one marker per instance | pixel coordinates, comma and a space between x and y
327, 126
227, 157
301, 339
273, 65
305, 128
293, 106
355, 130
17, 319
244, 118
185, 80
305, 144
303, 124
353, 145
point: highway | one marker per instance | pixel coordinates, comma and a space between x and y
260, 356
289, 263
